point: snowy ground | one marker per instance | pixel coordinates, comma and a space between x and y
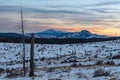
88, 61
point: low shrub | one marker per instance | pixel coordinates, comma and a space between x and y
100, 72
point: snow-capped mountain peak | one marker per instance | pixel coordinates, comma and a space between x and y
85, 32
51, 33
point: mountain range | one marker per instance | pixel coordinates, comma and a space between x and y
51, 33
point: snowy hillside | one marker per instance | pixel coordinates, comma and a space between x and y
89, 61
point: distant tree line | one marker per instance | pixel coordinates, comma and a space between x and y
55, 41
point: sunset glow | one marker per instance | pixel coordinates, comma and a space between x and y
96, 30
100, 17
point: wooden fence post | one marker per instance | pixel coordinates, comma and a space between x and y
31, 74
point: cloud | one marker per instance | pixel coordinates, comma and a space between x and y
105, 3
70, 18
9, 8
8, 25
48, 11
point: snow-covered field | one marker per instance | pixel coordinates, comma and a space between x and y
88, 61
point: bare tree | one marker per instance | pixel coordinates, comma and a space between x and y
23, 40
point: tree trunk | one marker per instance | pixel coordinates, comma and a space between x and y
31, 74
23, 33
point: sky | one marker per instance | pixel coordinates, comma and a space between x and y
97, 16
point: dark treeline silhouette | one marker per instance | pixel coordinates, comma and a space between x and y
55, 41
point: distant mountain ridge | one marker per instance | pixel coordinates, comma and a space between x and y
14, 35
51, 33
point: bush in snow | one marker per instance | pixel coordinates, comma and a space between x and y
116, 57
74, 65
100, 62
54, 79
1, 70
81, 75
100, 72
110, 63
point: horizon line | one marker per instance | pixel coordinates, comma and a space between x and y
62, 31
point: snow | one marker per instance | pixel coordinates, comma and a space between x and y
54, 61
